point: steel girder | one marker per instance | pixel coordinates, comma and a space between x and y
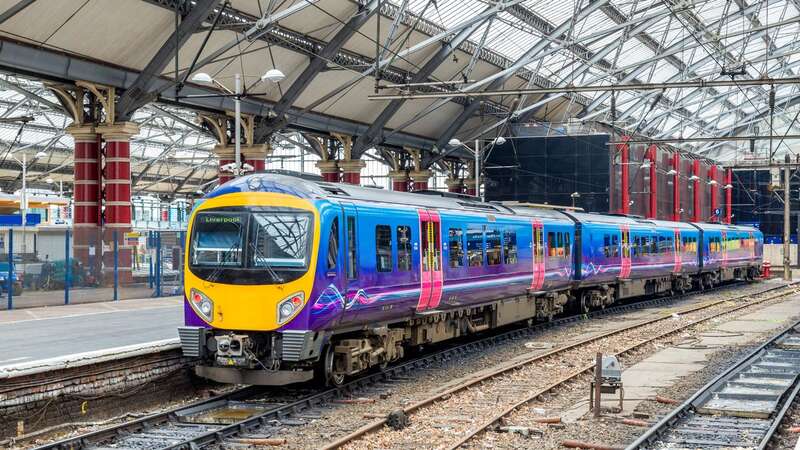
371, 136
498, 79
727, 112
618, 17
142, 91
314, 67
682, 45
15, 9
46, 64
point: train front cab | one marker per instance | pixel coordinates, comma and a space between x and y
250, 266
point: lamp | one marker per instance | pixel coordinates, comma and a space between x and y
672, 172
693, 178
202, 77
645, 165
49, 180
728, 186
41, 154
273, 75
454, 142
499, 140
712, 182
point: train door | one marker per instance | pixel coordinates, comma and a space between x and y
677, 249
538, 256
751, 246
625, 243
350, 228
431, 274
724, 248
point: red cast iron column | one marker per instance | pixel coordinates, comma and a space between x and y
455, 185
624, 183
676, 191
329, 170
651, 155
712, 175
419, 179
255, 155
258, 164
117, 189
696, 191
86, 220
224, 175
351, 170
399, 180
728, 194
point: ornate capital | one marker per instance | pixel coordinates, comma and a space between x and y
122, 131
82, 133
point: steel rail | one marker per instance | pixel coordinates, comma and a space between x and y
379, 423
673, 418
588, 368
481, 343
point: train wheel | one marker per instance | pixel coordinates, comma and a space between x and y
585, 302
331, 378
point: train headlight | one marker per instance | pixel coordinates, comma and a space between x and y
201, 304
289, 306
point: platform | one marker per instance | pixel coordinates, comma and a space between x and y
53, 333
666, 367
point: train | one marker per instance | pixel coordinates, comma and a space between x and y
288, 280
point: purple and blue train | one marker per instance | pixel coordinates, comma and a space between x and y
287, 278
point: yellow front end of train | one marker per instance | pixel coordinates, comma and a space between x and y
250, 260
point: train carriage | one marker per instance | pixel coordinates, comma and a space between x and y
729, 252
287, 277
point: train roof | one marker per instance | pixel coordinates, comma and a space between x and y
313, 189
722, 226
618, 219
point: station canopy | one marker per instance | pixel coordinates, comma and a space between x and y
331, 50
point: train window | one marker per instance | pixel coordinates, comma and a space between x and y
509, 247
493, 247
218, 239
456, 246
614, 246
352, 270
560, 244
280, 240
607, 246
654, 245
475, 247
551, 244
403, 248
566, 245
333, 244
383, 248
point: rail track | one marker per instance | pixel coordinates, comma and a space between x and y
741, 408
504, 390
253, 415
